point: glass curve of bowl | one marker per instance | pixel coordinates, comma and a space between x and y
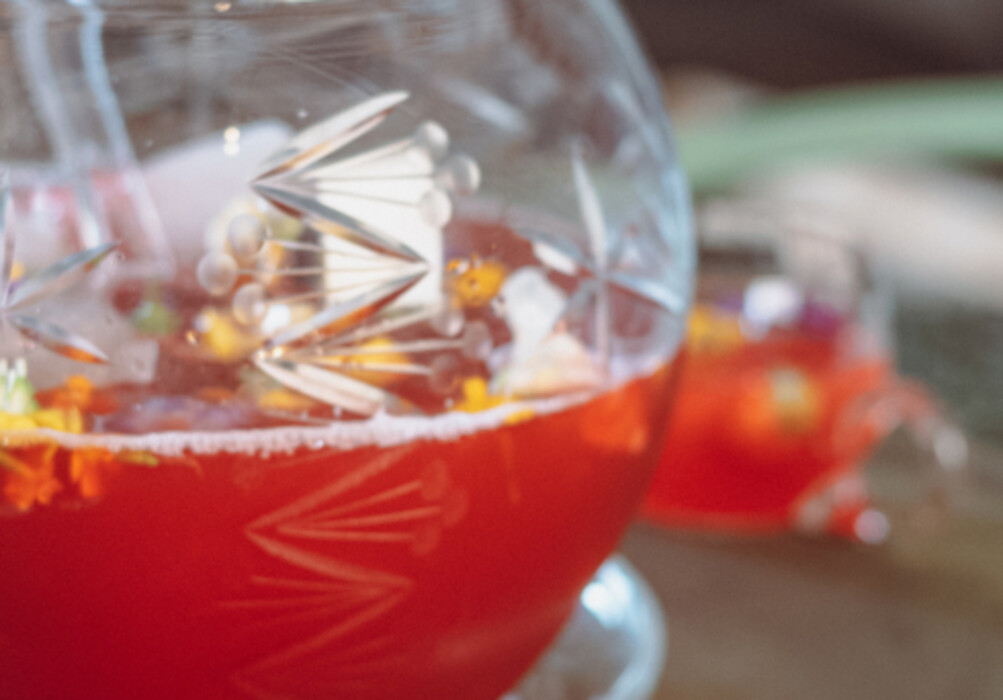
337, 339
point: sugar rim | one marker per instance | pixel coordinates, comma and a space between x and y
382, 430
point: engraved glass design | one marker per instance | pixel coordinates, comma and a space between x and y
337, 338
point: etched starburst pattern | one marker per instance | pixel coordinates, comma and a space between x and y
597, 264
338, 602
322, 369
376, 217
17, 296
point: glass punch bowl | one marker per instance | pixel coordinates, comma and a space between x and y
337, 339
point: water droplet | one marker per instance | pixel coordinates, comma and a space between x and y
250, 304
435, 208
246, 235
461, 174
477, 341
431, 137
217, 273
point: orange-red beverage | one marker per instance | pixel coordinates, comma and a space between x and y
396, 558
761, 426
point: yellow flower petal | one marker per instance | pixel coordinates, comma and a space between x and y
13, 421
476, 397
52, 418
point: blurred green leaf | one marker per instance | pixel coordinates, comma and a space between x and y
940, 120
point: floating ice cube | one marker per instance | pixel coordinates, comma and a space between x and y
533, 306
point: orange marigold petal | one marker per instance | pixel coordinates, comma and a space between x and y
90, 469
36, 482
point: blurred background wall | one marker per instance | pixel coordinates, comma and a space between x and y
798, 101
752, 86
798, 43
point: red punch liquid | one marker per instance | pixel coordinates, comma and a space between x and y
760, 427
436, 566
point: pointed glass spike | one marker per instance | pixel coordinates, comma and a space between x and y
653, 291
367, 267
380, 213
339, 291
556, 252
399, 206
596, 265
345, 365
591, 210
58, 276
555, 259
385, 322
348, 312
397, 192
379, 219
604, 323
321, 217
58, 339
413, 347
578, 303
595, 226
7, 238
398, 160
347, 250
356, 283
326, 137
297, 245
325, 386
